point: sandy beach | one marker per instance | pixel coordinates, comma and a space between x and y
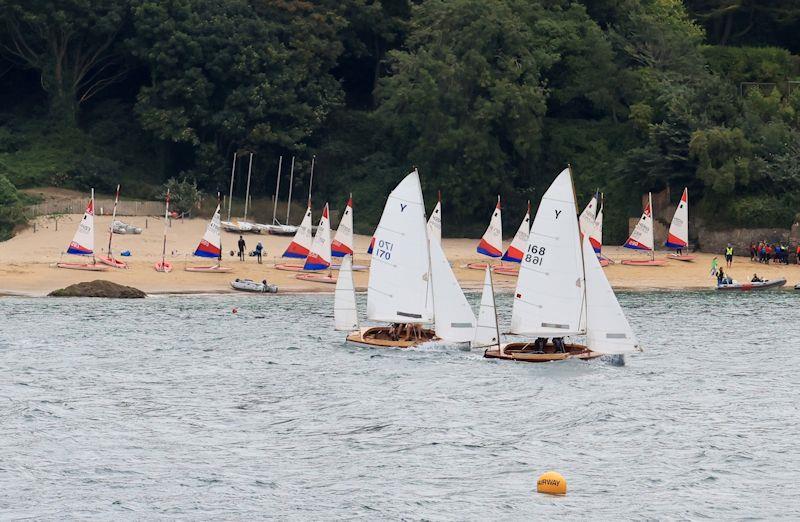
27, 262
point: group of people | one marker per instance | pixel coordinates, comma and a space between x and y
257, 253
764, 252
405, 331
540, 344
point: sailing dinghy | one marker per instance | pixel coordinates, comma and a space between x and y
591, 223
515, 250
411, 282
82, 243
343, 240
642, 238
108, 259
319, 258
678, 236
435, 222
562, 290
164, 265
300, 245
491, 244
210, 247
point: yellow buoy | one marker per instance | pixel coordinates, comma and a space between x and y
552, 483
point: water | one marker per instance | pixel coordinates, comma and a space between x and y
174, 407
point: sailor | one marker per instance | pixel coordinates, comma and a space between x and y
756, 279
720, 276
729, 255
558, 343
259, 248
242, 246
539, 344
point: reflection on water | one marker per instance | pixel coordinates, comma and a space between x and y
175, 406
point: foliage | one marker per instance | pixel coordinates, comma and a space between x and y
10, 208
183, 195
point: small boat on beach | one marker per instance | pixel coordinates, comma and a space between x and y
164, 266
491, 244
82, 243
514, 252
248, 285
109, 259
210, 247
319, 257
678, 235
754, 285
642, 238
343, 240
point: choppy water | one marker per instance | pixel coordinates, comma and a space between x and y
173, 407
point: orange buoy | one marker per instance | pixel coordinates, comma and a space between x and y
552, 483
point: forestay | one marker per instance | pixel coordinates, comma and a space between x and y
301, 243
82, 243
678, 236
642, 236
211, 244
517, 247
455, 321
491, 243
343, 240
548, 301
345, 314
487, 331
320, 256
607, 329
400, 270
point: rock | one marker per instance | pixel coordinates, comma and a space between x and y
99, 288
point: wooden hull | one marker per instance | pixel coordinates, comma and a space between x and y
378, 337
317, 278
524, 352
165, 267
110, 261
764, 285
83, 266
209, 269
642, 262
686, 257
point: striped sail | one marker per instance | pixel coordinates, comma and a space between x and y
211, 244
678, 236
319, 258
642, 236
82, 243
343, 240
301, 243
491, 243
517, 247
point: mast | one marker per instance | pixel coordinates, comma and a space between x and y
247, 193
311, 180
111, 227
289, 198
494, 304
428, 250
219, 259
230, 194
94, 259
164, 243
652, 226
584, 309
277, 188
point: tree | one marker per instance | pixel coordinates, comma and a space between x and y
71, 43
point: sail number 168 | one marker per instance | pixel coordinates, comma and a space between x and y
534, 254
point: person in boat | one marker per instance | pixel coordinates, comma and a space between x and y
720, 276
756, 279
394, 331
259, 249
539, 344
558, 344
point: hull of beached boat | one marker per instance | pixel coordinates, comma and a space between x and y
237, 226
280, 230
165, 267
512, 271
685, 257
110, 261
83, 266
643, 262
317, 278
248, 285
288, 267
524, 352
763, 285
209, 269
378, 337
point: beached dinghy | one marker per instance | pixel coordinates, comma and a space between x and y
514, 252
410, 281
319, 258
562, 290
300, 245
343, 240
108, 259
210, 247
678, 236
164, 265
754, 285
642, 238
82, 243
491, 244
248, 285
591, 223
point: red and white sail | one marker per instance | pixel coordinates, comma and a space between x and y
343, 240
300, 245
211, 244
588, 220
82, 243
596, 235
642, 236
320, 256
491, 243
678, 236
515, 250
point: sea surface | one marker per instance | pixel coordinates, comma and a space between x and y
174, 407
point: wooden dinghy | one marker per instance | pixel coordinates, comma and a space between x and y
758, 285
643, 262
525, 352
380, 337
83, 266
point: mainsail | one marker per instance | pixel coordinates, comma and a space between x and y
487, 331
435, 222
301, 243
343, 240
678, 236
211, 244
491, 243
82, 243
642, 236
515, 249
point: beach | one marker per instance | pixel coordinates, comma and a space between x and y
27, 262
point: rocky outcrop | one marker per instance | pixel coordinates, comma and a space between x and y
99, 288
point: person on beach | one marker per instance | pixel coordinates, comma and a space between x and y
729, 255
259, 248
242, 246
797, 255
752, 251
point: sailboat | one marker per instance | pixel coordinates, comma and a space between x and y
411, 282
164, 265
108, 259
300, 245
515, 250
591, 223
276, 227
596, 235
435, 222
491, 244
562, 290
678, 236
343, 240
487, 330
235, 225
345, 313
210, 247
319, 258
642, 238
82, 243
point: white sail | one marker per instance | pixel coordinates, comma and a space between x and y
642, 236
319, 258
211, 244
435, 223
343, 240
596, 236
345, 314
548, 301
589, 215
607, 329
517, 247
399, 275
82, 243
491, 243
678, 236
300, 245
487, 331
455, 321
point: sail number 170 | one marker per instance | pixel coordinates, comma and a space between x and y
534, 255
384, 250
